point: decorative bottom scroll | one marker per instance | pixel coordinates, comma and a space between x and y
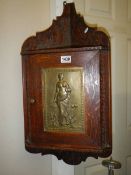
63, 99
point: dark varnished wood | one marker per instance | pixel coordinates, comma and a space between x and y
67, 31
89, 50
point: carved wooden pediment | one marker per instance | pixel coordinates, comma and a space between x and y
68, 30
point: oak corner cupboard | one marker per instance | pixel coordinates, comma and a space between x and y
67, 90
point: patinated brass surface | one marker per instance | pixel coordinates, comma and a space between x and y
63, 103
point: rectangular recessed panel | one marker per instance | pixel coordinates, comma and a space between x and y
99, 8
96, 170
128, 165
129, 10
63, 93
101, 5
129, 86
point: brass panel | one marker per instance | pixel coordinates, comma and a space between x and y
63, 99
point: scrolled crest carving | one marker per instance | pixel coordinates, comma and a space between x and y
68, 30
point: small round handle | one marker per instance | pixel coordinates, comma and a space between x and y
32, 100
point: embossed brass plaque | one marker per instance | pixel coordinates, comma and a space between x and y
62, 96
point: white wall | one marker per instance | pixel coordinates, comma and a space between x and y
18, 20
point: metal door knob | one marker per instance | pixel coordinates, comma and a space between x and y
111, 165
